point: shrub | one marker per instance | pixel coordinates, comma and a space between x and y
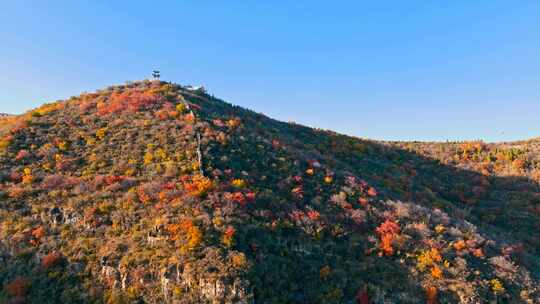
23, 154
5, 142
387, 232
18, 287
197, 185
496, 286
238, 183
129, 101
52, 182
228, 236
51, 260
187, 233
100, 134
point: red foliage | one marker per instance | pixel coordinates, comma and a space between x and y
39, 232
431, 295
362, 297
239, 198
298, 192
313, 215
15, 176
51, 260
18, 287
22, 155
143, 196
112, 179
130, 101
250, 196
230, 231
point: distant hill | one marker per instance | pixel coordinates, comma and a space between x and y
153, 192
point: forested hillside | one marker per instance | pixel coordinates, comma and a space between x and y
152, 192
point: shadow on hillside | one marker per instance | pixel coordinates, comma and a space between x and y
501, 206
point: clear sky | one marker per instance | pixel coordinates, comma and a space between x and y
396, 70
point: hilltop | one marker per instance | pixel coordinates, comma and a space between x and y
151, 192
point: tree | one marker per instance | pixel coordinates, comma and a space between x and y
156, 74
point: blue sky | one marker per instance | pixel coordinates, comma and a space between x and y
396, 70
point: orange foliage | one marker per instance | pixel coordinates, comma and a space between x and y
51, 260
197, 185
436, 272
386, 244
37, 233
387, 232
233, 123
519, 164
130, 101
459, 245
372, 192
388, 227
432, 295
143, 196
478, 252
187, 232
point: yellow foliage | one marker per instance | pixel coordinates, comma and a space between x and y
309, 171
161, 154
189, 234
63, 145
90, 141
4, 144
148, 158
194, 238
199, 185
27, 177
45, 109
100, 134
181, 107
239, 183
27, 171
58, 157
428, 258
328, 179
440, 229
497, 286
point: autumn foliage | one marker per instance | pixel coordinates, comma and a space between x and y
52, 259
18, 287
130, 101
197, 185
387, 232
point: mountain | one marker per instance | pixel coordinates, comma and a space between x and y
151, 192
